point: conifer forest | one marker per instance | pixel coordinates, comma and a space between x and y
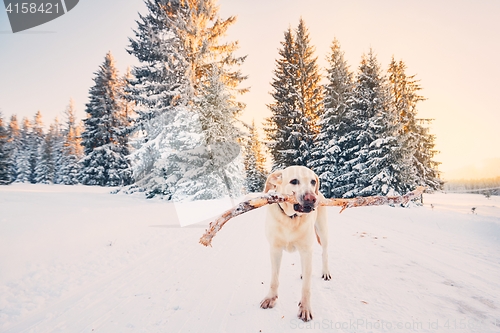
170, 126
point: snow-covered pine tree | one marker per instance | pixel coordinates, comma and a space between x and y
378, 162
426, 167
72, 151
128, 107
102, 107
217, 161
405, 96
355, 136
181, 142
24, 171
37, 138
278, 126
178, 45
105, 138
329, 149
55, 138
209, 165
255, 162
5, 176
14, 144
308, 79
298, 101
50, 155
44, 170
417, 142
388, 167
156, 84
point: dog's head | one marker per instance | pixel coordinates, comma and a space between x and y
298, 181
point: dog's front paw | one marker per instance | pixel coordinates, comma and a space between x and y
326, 276
304, 313
268, 302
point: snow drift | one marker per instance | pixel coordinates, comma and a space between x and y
78, 259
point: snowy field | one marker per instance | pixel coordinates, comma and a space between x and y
78, 259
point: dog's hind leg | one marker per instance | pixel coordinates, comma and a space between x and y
270, 300
321, 228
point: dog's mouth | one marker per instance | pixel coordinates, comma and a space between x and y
303, 209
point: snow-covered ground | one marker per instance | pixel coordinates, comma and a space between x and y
78, 259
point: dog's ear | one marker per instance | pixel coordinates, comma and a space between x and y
272, 181
316, 188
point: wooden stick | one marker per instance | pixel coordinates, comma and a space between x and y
373, 201
241, 208
271, 198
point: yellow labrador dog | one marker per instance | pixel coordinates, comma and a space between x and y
293, 227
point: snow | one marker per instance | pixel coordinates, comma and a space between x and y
192, 212
78, 259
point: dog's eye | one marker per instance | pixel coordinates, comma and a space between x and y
294, 182
313, 182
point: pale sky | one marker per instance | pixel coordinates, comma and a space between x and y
452, 46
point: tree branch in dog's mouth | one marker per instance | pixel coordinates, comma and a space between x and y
272, 198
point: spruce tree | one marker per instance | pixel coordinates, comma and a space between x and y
24, 171
278, 126
297, 93
425, 165
217, 110
56, 139
309, 88
35, 150
209, 165
72, 151
375, 166
329, 149
50, 155
105, 138
44, 173
255, 169
405, 96
355, 136
14, 144
417, 142
156, 84
5, 169
387, 167
128, 109
179, 47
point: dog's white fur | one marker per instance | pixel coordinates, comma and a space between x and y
290, 230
